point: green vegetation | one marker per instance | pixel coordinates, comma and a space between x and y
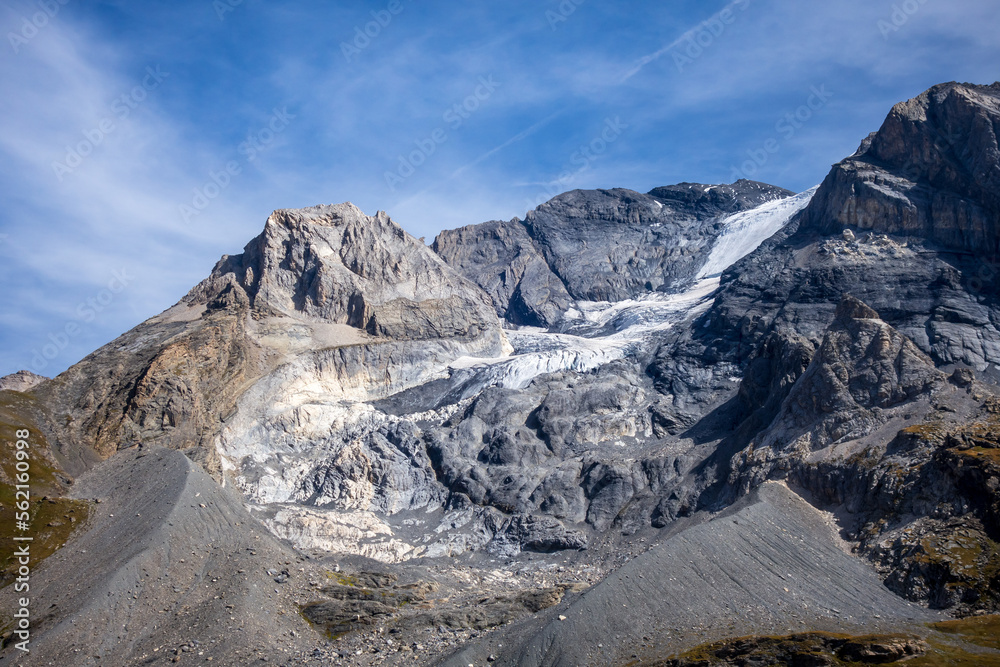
979, 630
984, 454
52, 517
345, 580
926, 431
972, 642
962, 552
967, 554
813, 648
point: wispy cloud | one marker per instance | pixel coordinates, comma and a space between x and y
59, 239
687, 37
520, 136
443, 182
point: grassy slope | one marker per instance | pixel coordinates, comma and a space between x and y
971, 642
53, 517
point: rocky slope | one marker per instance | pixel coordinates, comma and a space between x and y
170, 565
770, 565
481, 430
21, 381
601, 245
846, 401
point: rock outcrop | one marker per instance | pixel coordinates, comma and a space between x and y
597, 245
336, 265
503, 259
21, 381
861, 371
932, 171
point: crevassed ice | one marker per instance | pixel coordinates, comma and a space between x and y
609, 331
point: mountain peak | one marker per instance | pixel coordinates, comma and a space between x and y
21, 381
931, 171
336, 264
722, 198
330, 215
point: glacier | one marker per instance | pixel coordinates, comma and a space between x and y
291, 464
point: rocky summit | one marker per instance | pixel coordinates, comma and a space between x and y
706, 425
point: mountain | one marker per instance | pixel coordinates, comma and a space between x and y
603, 245
316, 283
21, 381
628, 427
930, 172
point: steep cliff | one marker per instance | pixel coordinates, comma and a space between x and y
597, 245
932, 171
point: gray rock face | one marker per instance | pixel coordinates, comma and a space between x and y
862, 368
931, 171
596, 245
504, 261
715, 200
611, 245
549, 449
335, 264
931, 296
861, 376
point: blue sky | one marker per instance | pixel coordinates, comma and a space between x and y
141, 141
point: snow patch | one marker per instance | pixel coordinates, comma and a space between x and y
745, 231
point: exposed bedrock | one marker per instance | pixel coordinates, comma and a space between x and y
932, 171
597, 245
